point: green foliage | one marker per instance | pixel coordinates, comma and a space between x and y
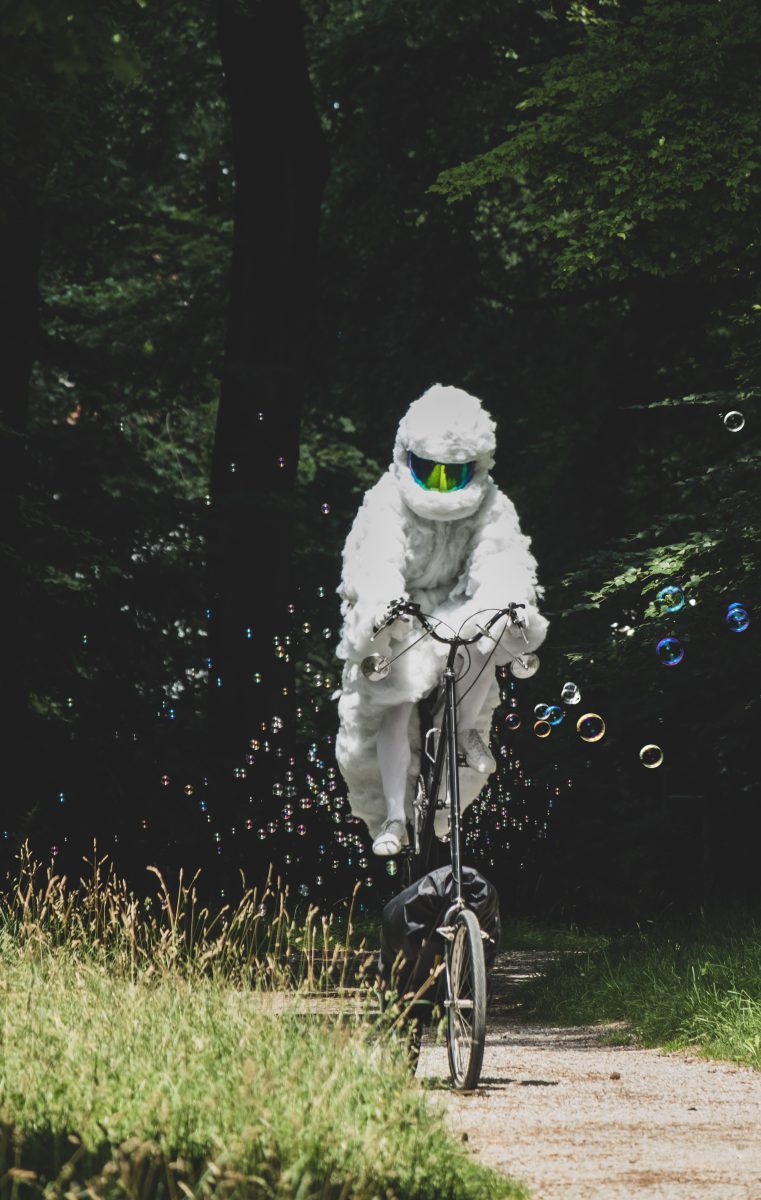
639, 146
686, 985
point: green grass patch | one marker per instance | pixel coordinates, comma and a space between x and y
696, 986
156, 1050
524, 934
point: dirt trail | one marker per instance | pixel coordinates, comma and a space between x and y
578, 1120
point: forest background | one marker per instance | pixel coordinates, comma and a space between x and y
552, 205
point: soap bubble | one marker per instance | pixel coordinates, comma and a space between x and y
540, 711
325, 509
525, 665
554, 714
670, 599
391, 867
165, 780
590, 727
734, 421
737, 618
188, 789
542, 729
670, 651
570, 694
651, 756
513, 721
303, 890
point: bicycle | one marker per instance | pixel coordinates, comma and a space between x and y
464, 960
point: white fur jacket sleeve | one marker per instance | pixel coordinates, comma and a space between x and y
500, 569
373, 567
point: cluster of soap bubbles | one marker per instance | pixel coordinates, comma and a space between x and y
670, 600
590, 726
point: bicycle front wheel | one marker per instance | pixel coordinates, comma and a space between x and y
466, 1002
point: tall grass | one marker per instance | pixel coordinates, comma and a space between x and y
146, 1052
694, 986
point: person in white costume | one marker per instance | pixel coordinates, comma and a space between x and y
435, 529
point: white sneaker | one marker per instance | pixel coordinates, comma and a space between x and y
392, 836
477, 753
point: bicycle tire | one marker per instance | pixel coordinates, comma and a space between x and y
466, 1002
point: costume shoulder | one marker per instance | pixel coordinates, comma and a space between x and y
373, 555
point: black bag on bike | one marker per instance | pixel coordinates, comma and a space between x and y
409, 942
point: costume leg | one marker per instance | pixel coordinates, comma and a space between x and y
394, 757
473, 688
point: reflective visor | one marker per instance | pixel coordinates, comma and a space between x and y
440, 477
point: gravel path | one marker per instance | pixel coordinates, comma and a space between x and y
578, 1120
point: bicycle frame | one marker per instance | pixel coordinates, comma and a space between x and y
447, 749
464, 961
447, 745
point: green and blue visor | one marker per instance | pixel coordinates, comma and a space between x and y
438, 476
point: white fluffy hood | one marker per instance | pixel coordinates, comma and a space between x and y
445, 425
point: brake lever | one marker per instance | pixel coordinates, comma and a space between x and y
394, 614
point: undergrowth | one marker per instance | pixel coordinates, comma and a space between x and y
697, 985
154, 1049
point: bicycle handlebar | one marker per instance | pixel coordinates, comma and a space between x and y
399, 608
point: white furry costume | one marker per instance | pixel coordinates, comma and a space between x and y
455, 553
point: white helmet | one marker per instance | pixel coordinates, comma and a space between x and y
443, 453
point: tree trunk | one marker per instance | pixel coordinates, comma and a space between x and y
280, 165
20, 242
